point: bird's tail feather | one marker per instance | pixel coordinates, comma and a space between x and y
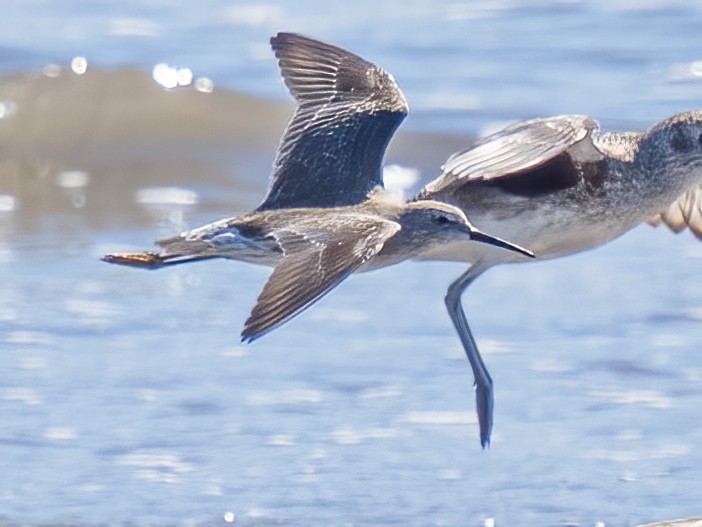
176, 250
151, 260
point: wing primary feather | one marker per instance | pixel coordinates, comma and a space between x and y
347, 108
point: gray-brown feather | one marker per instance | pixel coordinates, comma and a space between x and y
516, 149
314, 262
686, 211
348, 109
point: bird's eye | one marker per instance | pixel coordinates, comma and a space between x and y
680, 141
441, 219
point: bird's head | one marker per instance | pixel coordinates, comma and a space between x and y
431, 223
674, 143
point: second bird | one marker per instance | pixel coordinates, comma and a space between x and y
560, 185
325, 214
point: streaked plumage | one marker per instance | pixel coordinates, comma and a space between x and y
560, 185
347, 110
325, 214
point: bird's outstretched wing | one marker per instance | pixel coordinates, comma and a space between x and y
515, 150
347, 110
686, 211
313, 264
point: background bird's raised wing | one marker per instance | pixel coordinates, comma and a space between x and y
518, 148
347, 110
312, 266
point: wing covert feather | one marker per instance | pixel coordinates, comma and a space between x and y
312, 266
516, 149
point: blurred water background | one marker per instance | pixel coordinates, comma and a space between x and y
125, 396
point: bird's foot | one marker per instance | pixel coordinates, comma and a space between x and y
484, 403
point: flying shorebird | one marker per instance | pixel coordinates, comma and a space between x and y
561, 185
325, 214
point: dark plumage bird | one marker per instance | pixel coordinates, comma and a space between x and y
561, 185
325, 214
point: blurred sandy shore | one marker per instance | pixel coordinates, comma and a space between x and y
91, 141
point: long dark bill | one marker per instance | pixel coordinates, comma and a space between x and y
481, 237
